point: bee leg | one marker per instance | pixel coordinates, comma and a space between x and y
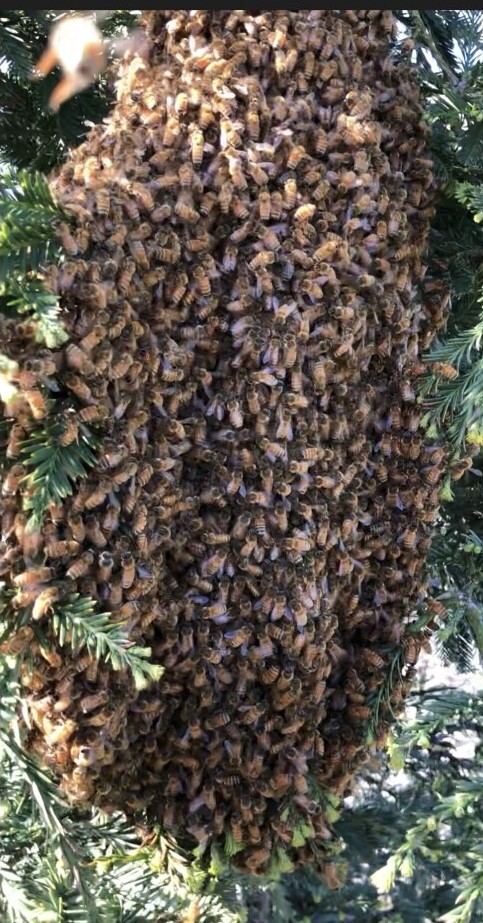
45, 64
94, 56
66, 88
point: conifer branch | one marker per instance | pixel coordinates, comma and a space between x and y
55, 468
75, 620
13, 50
28, 296
28, 214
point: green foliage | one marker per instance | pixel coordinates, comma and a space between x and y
27, 223
14, 54
60, 865
54, 468
28, 296
28, 219
455, 813
75, 620
454, 107
416, 837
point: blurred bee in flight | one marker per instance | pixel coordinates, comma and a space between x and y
77, 45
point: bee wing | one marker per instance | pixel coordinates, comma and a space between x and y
66, 88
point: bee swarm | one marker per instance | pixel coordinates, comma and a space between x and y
242, 295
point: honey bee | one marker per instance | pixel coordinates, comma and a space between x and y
445, 369
290, 194
222, 719
16, 435
79, 387
12, 480
411, 650
97, 496
458, 470
91, 702
106, 563
68, 241
77, 528
70, 433
238, 636
371, 659
197, 146
276, 206
44, 602
94, 532
62, 549
123, 284
128, 569
60, 733
37, 403
431, 475
139, 254
332, 876
304, 212
81, 566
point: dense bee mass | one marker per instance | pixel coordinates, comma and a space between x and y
246, 303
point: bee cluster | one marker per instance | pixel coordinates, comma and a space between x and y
243, 297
